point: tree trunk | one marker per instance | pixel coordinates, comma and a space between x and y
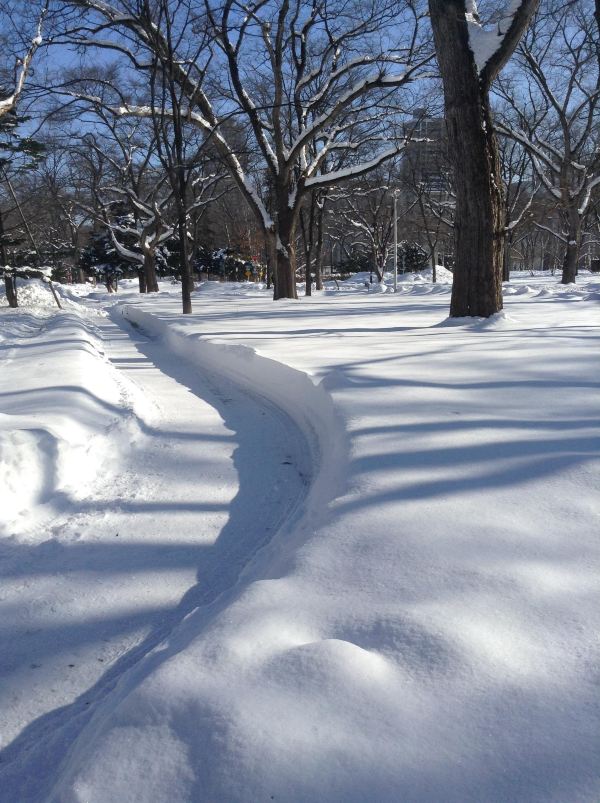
285, 276
186, 279
308, 272
506, 265
319, 251
569, 269
285, 271
433, 266
142, 280
479, 229
10, 284
150, 272
307, 237
380, 267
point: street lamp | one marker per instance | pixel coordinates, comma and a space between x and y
395, 241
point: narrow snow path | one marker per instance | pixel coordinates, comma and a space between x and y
208, 476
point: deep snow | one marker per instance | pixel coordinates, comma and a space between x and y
421, 621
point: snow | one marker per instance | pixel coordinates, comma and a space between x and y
357, 556
34, 293
485, 43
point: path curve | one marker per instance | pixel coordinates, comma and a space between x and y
196, 427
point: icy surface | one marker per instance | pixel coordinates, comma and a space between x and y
418, 622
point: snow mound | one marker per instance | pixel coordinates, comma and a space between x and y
499, 320
214, 288
60, 431
27, 468
362, 280
377, 288
35, 293
443, 275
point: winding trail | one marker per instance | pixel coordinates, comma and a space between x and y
209, 475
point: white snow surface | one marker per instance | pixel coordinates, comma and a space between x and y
485, 42
339, 549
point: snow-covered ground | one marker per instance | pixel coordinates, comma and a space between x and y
339, 549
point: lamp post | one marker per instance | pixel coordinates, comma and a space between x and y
395, 241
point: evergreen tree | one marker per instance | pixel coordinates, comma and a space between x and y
17, 153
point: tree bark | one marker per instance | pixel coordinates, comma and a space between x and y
506, 266
307, 237
142, 281
308, 272
151, 280
186, 279
285, 266
319, 254
479, 230
433, 265
569, 269
10, 283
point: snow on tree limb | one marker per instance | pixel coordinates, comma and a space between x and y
493, 47
338, 176
9, 103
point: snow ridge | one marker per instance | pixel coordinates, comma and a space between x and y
311, 408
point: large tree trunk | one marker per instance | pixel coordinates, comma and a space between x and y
479, 229
569, 270
285, 271
150, 272
142, 280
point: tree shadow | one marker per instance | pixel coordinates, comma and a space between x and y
271, 482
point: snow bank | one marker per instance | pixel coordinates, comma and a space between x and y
302, 397
431, 633
56, 425
36, 294
416, 282
232, 288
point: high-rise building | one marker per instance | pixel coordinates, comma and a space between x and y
424, 160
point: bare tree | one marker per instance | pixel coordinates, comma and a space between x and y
557, 113
429, 199
10, 95
22, 62
366, 208
470, 56
519, 194
299, 75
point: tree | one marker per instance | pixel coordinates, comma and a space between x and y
556, 116
367, 209
9, 98
10, 95
519, 194
469, 58
429, 199
306, 79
